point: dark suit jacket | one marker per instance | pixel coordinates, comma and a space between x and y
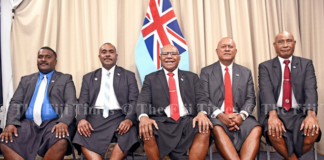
155, 97
303, 83
61, 93
242, 87
125, 87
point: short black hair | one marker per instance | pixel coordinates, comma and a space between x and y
49, 48
107, 43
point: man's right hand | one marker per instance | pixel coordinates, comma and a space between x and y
275, 125
227, 120
145, 127
84, 128
7, 133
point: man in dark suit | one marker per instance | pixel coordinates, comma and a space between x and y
288, 94
107, 108
173, 101
230, 90
43, 103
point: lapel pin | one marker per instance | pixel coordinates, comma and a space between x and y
237, 75
294, 66
96, 78
52, 80
118, 74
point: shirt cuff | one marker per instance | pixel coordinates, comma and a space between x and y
204, 112
140, 116
216, 113
246, 113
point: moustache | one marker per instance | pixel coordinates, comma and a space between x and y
43, 63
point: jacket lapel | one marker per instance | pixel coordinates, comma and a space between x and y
235, 78
117, 76
32, 83
164, 83
294, 70
277, 71
96, 82
217, 73
53, 81
182, 84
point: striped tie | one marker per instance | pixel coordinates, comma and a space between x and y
37, 112
106, 101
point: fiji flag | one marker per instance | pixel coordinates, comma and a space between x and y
160, 28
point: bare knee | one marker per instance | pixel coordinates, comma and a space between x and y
217, 130
275, 140
150, 142
202, 137
257, 130
310, 140
61, 145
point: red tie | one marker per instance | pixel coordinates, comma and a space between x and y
286, 98
228, 93
174, 105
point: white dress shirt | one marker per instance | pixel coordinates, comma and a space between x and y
182, 109
114, 105
221, 110
294, 103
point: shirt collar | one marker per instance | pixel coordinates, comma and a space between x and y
175, 72
111, 71
281, 60
48, 75
229, 67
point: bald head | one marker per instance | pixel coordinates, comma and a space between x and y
283, 34
284, 44
170, 48
226, 51
226, 40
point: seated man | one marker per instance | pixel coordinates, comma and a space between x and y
107, 109
41, 112
230, 90
288, 93
173, 102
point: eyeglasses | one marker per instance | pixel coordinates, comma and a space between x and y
167, 53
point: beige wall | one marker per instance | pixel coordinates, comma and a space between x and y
76, 29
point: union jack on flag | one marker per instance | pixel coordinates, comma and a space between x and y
160, 28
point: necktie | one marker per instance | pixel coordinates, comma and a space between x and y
106, 101
228, 93
174, 104
286, 98
37, 112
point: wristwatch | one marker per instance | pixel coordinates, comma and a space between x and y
243, 116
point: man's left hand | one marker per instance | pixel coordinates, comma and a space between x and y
61, 130
238, 120
124, 126
203, 123
310, 124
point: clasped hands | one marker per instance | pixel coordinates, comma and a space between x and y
232, 120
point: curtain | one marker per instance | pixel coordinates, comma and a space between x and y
76, 29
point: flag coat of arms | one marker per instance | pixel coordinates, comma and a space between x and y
160, 28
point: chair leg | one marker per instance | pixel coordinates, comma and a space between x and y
133, 156
210, 153
268, 152
315, 151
